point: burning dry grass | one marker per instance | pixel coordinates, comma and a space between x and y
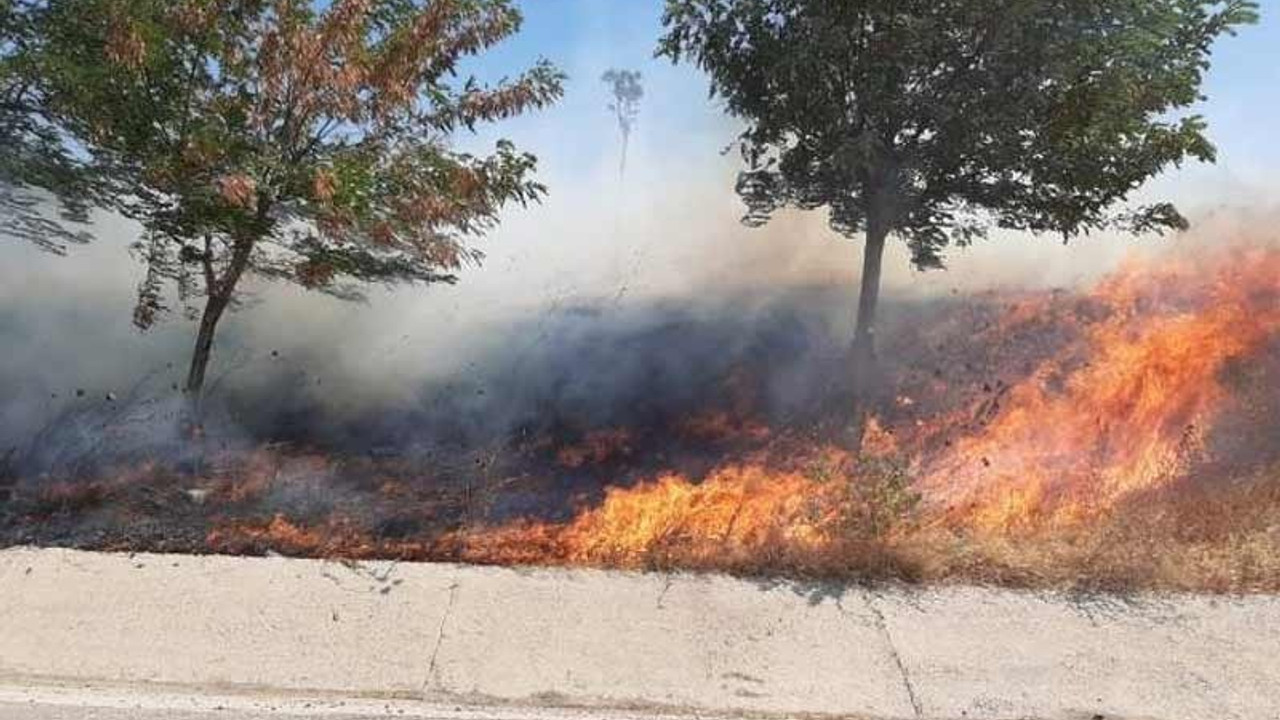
729, 519
1135, 411
1098, 465
1226, 539
1222, 540
1128, 437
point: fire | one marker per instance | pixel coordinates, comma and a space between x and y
1128, 407
1134, 413
721, 425
597, 447
1119, 432
335, 537
736, 511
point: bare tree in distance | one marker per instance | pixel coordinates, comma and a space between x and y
627, 93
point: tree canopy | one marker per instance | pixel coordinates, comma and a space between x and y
32, 150
936, 120
944, 118
284, 138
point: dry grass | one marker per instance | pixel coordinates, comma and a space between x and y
1220, 537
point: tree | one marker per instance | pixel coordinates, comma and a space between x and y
627, 93
296, 141
32, 152
934, 120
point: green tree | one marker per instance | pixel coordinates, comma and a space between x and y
32, 151
296, 141
935, 120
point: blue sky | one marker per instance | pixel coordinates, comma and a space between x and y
586, 37
1243, 109
677, 193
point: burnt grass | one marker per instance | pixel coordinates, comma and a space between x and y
593, 402
1222, 538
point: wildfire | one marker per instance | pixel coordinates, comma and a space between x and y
1137, 408
597, 447
1129, 406
1084, 430
338, 537
735, 512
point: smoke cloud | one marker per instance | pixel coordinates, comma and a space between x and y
613, 292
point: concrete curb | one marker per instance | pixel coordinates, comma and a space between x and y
435, 636
39, 699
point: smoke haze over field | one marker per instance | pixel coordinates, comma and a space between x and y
657, 254
555, 325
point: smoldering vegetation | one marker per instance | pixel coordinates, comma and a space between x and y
699, 428
624, 327
562, 372
516, 433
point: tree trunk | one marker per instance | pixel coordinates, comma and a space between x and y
213, 309
864, 350
622, 164
868, 299
220, 292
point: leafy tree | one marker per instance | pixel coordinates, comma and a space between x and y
22, 129
934, 120
31, 149
627, 92
292, 140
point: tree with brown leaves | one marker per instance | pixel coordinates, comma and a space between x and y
277, 138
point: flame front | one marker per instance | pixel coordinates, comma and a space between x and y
1124, 434
728, 518
1129, 406
1134, 413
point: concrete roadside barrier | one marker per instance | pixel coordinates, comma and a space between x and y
533, 641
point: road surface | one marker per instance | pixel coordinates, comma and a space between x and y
157, 631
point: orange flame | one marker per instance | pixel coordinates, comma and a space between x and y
1129, 407
735, 511
1131, 401
1071, 441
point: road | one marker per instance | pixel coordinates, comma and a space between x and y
33, 700
285, 633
